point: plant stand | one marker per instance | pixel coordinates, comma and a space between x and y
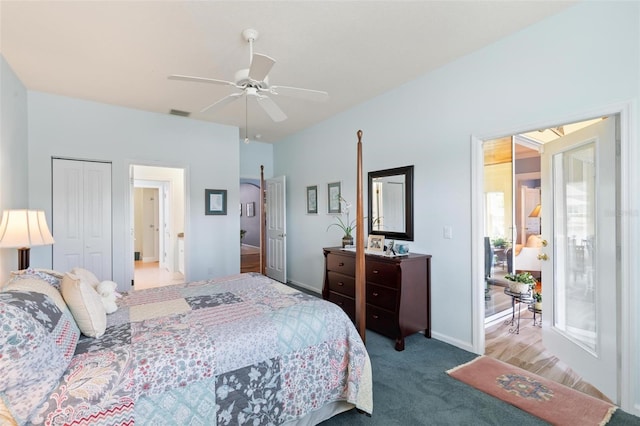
514, 322
536, 321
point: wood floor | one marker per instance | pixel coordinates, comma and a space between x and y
149, 275
525, 350
249, 258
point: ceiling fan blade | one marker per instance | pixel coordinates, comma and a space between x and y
201, 80
296, 92
260, 67
224, 101
271, 108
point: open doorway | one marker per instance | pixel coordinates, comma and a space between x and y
513, 244
157, 200
250, 229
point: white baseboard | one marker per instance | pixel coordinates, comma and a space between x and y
306, 287
455, 342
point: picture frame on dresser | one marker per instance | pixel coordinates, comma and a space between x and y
375, 243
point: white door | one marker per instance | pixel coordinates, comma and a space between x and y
579, 280
276, 227
150, 226
82, 216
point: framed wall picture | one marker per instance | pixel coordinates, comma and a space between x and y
333, 200
375, 243
251, 209
215, 201
312, 199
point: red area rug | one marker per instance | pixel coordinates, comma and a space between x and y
548, 400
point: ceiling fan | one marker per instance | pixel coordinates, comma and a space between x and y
254, 82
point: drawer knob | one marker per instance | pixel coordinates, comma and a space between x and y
340, 283
375, 271
375, 294
340, 303
375, 316
341, 264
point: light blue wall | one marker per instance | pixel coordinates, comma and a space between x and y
252, 156
584, 58
74, 128
14, 193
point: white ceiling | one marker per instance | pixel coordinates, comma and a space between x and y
121, 52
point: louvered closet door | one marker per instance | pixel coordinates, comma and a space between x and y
82, 216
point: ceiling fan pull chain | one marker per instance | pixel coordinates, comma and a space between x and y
246, 119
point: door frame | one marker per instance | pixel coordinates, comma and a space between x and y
164, 219
628, 296
128, 218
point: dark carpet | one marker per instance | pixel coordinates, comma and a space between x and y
413, 388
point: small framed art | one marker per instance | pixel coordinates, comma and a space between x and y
312, 199
375, 243
333, 201
215, 201
251, 209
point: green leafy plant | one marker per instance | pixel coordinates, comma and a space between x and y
347, 226
242, 233
522, 277
500, 242
537, 296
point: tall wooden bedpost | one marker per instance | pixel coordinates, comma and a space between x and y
263, 221
360, 269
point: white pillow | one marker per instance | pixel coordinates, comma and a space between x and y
86, 276
85, 305
39, 286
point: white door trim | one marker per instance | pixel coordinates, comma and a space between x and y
128, 219
164, 220
629, 245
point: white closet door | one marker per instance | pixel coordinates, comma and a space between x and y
82, 216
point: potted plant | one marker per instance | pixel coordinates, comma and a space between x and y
347, 226
521, 283
537, 296
500, 242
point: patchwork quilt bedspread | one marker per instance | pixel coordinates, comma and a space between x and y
239, 350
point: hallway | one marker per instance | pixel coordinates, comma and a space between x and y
149, 275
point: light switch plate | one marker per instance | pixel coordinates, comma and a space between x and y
447, 232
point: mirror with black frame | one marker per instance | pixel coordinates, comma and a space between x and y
390, 196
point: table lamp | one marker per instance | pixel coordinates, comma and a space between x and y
23, 229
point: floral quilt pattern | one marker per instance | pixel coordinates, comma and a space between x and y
248, 350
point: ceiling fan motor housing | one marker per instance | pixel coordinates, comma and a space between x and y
242, 79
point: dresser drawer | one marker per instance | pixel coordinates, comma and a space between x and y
382, 321
343, 284
343, 264
382, 273
381, 297
347, 304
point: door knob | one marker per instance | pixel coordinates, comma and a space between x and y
543, 256
544, 243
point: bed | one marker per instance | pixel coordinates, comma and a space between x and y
242, 349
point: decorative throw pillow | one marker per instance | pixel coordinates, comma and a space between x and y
31, 363
59, 323
48, 275
86, 276
85, 305
38, 285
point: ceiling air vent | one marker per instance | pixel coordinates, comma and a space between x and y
179, 113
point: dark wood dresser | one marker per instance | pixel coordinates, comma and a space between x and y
398, 291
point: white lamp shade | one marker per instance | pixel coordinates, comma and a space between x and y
24, 228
